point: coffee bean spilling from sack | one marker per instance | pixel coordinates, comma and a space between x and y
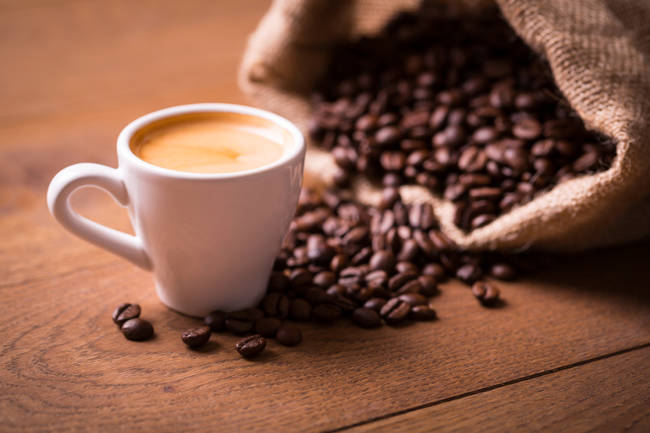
459, 105
373, 265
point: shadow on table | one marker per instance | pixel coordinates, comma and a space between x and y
620, 272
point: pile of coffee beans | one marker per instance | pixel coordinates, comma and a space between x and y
340, 259
374, 266
459, 105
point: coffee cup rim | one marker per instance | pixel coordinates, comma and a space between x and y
296, 147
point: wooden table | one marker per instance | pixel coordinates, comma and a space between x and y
569, 352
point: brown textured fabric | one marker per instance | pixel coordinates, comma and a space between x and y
599, 53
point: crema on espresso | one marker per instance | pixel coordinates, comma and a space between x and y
210, 143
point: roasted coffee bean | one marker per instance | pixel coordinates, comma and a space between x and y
324, 279
404, 232
472, 160
366, 318
424, 243
413, 298
406, 267
278, 282
486, 293
251, 346
387, 135
137, 329
435, 270
318, 250
361, 257
503, 271
300, 278
351, 275
377, 278
125, 312
346, 305
196, 337
400, 279
267, 326
482, 220
275, 304
326, 312
315, 295
289, 335
440, 241
338, 262
527, 129
412, 286
455, 191
392, 161
422, 312
216, 321
300, 309
355, 236
469, 273
382, 260
408, 251
428, 285
374, 303
395, 311
586, 162
487, 193
389, 196
335, 289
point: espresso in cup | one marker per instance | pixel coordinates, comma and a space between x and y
211, 143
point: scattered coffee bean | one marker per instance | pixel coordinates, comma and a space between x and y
486, 293
375, 304
125, 312
366, 317
137, 329
267, 326
395, 311
413, 299
428, 285
422, 312
196, 337
469, 273
251, 346
503, 271
289, 335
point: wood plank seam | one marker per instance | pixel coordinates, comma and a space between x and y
490, 388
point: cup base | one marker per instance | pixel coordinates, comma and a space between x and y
199, 309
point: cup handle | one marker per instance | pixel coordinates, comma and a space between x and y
109, 179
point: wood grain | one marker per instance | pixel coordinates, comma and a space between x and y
63, 358
80, 71
616, 389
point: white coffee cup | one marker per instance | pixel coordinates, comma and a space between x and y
209, 239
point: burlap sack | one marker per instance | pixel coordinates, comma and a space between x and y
599, 53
